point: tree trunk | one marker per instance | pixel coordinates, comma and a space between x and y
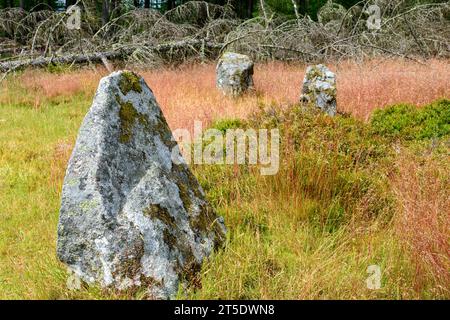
170, 4
250, 8
113, 5
147, 4
22, 4
105, 11
304, 4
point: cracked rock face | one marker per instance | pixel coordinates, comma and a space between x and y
130, 216
234, 74
319, 89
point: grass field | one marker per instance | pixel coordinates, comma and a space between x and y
351, 192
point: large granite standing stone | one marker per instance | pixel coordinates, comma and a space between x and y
234, 74
319, 89
130, 217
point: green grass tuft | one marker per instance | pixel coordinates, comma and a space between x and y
226, 124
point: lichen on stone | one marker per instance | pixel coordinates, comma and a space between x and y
319, 89
234, 74
87, 205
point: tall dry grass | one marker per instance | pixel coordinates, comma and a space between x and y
423, 222
188, 92
363, 88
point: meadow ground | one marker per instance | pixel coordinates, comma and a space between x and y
350, 192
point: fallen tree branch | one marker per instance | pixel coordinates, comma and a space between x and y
101, 56
72, 58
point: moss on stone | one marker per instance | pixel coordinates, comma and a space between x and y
190, 271
169, 239
129, 81
131, 264
128, 116
142, 290
156, 211
186, 181
163, 129
148, 281
184, 195
204, 220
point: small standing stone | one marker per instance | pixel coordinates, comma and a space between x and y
319, 89
234, 74
130, 216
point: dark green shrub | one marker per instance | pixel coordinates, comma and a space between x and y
411, 123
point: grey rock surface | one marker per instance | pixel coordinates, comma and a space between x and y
234, 74
319, 89
130, 217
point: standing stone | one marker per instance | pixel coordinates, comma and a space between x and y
131, 218
234, 74
319, 89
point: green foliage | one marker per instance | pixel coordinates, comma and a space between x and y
411, 123
225, 124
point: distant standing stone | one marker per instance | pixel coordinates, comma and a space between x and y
130, 216
319, 89
234, 74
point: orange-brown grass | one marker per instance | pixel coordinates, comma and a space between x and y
188, 93
424, 222
53, 85
362, 88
